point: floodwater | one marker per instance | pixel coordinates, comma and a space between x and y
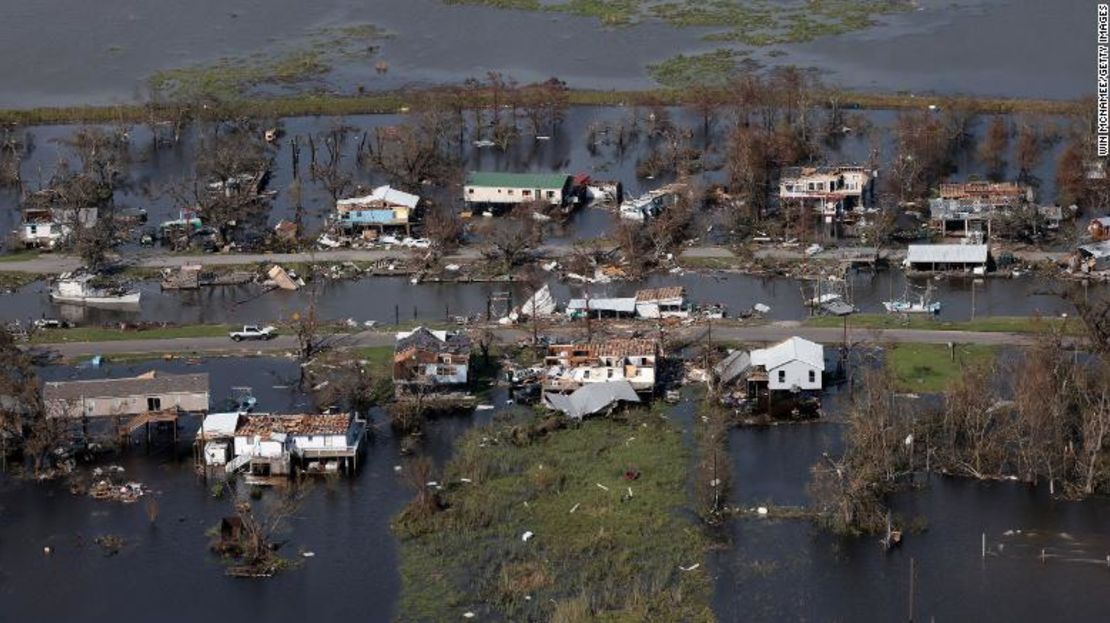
392, 299
156, 179
165, 570
789, 570
68, 52
153, 174
767, 570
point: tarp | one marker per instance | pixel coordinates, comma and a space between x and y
541, 303
733, 367
592, 398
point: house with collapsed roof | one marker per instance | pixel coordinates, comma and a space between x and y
498, 192
569, 366
1099, 228
1093, 257
265, 445
966, 209
836, 192
146, 393
669, 302
592, 399
425, 361
386, 207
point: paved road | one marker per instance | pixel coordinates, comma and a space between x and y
50, 263
763, 333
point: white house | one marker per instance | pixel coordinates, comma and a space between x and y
492, 189
793, 364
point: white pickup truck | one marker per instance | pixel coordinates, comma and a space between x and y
253, 332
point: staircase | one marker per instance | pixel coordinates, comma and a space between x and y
237, 463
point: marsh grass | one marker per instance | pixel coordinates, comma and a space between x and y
615, 557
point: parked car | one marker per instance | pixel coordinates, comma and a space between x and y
253, 332
417, 243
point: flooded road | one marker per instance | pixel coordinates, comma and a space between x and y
391, 299
68, 52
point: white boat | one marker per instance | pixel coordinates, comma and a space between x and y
906, 307
81, 290
923, 305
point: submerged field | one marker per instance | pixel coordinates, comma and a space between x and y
605, 546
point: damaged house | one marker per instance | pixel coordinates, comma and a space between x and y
571, 366
967, 209
837, 193
45, 228
430, 361
385, 208
268, 445
1091, 258
662, 303
651, 204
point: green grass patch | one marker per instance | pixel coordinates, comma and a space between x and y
101, 334
379, 357
22, 255
986, 324
931, 368
14, 280
614, 558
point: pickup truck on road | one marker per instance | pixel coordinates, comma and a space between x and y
253, 332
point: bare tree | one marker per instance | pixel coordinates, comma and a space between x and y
992, 151
510, 241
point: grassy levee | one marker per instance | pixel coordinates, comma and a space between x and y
987, 324
106, 334
605, 548
381, 102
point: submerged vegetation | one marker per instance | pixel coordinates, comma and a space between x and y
750, 22
238, 76
714, 69
534, 521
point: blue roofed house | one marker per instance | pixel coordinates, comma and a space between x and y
386, 207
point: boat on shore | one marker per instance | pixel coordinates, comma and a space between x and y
83, 289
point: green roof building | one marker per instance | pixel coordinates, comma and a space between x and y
504, 189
